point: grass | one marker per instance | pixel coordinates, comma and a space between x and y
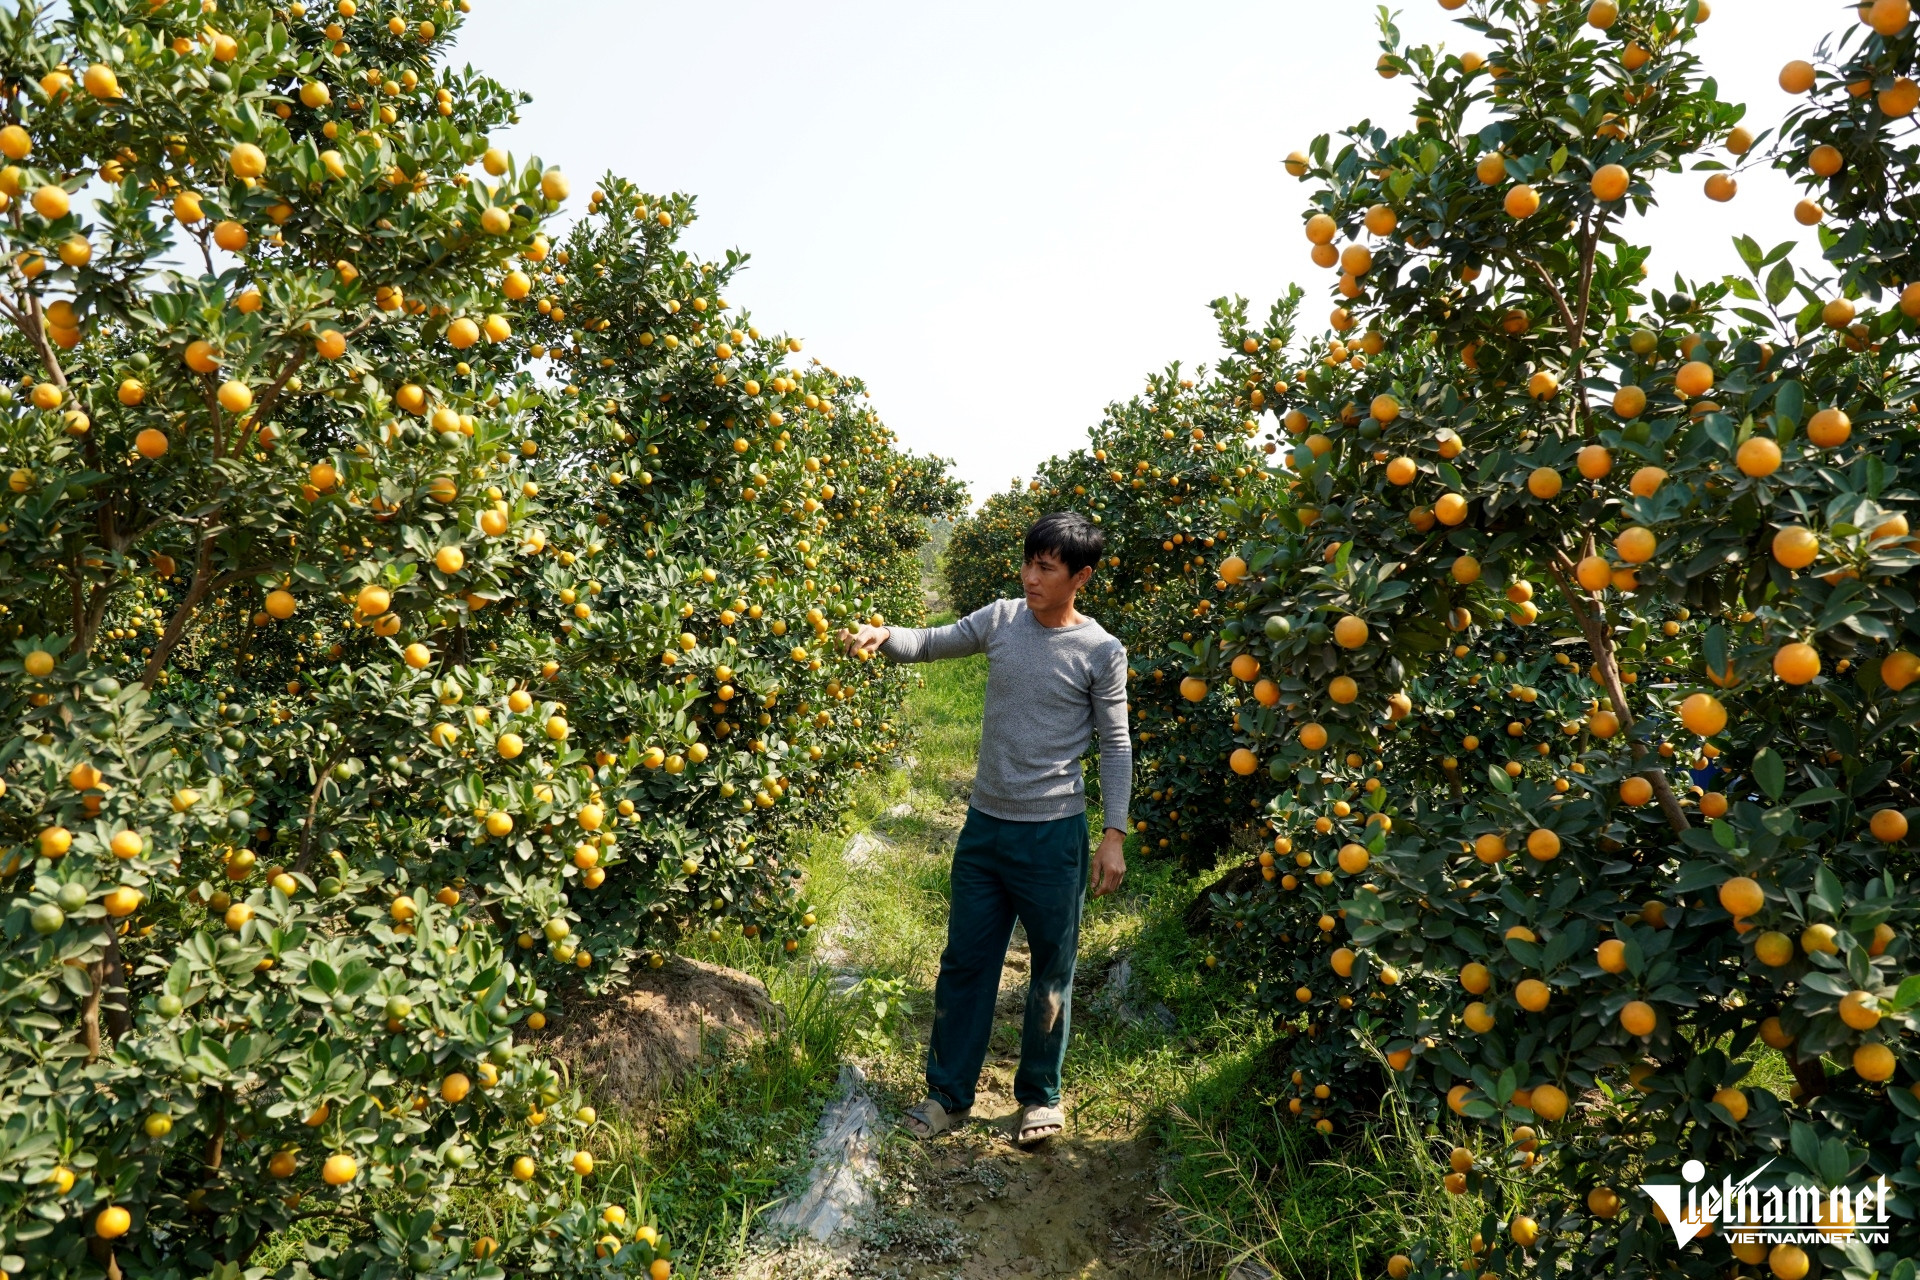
1252, 1190
1767, 1069
1250, 1187
896, 905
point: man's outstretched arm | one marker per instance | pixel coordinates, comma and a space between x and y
923, 644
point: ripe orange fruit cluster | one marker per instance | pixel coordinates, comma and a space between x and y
1504, 604
397, 546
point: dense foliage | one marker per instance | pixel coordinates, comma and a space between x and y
378, 676
1590, 614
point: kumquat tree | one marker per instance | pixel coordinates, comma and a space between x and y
1162, 475
1589, 611
404, 631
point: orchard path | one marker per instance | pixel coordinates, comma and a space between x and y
971, 1205
1076, 1205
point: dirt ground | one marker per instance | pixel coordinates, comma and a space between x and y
971, 1205
1075, 1205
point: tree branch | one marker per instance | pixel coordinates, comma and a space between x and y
313, 806
1559, 298
90, 1013
1601, 642
217, 1141
271, 396
1589, 247
1808, 1074
94, 615
76, 597
36, 330
177, 624
114, 969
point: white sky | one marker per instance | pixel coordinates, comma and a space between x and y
1004, 215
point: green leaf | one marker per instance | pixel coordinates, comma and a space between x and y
1702, 874
1828, 894
1770, 772
1806, 1146
322, 975
1779, 283
1713, 648
1789, 401
1841, 605
1835, 1162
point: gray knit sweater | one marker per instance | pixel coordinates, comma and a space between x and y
1049, 690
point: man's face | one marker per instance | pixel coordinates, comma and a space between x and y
1047, 583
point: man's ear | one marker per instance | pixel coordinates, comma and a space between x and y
1081, 578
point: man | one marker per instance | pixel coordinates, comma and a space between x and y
1055, 679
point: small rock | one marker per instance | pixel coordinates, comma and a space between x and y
862, 848
901, 810
830, 948
1113, 993
1112, 999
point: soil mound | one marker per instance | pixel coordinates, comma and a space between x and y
634, 1041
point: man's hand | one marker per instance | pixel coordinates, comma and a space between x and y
1109, 863
864, 641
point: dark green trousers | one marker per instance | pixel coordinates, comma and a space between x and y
1035, 872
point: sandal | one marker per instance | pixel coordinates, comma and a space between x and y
1038, 1123
929, 1119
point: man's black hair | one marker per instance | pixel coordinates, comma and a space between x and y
1069, 537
